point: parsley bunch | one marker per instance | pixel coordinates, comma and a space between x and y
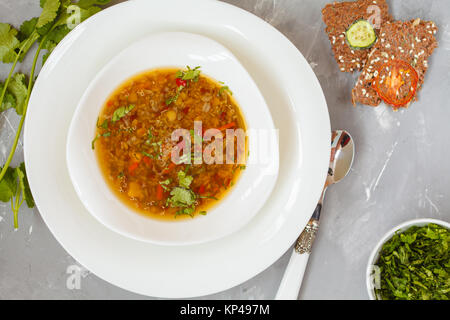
415, 265
57, 18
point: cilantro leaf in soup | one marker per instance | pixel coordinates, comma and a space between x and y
181, 197
104, 124
184, 180
121, 112
94, 141
98, 136
147, 154
185, 211
223, 89
189, 74
164, 184
172, 99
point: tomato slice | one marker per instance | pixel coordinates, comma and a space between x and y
396, 83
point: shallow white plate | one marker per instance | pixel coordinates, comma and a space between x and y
293, 96
175, 49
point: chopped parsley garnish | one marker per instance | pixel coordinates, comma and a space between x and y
184, 180
187, 211
104, 124
183, 78
208, 197
181, 197
122, 112
174, 98
106, 134
156, 149
223, 89
189, 74
415, 265
147, 154
164, 184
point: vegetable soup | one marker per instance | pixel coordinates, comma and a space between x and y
134, 142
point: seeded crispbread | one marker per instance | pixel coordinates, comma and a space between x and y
410, 41
339, 16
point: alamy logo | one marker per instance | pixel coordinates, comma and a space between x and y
74, 18
76, 273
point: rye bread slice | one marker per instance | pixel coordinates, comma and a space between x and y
339, 16
411, 41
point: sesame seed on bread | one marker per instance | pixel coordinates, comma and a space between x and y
339, 16
410, 41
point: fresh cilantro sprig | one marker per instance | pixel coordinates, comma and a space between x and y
55, 22
14, 188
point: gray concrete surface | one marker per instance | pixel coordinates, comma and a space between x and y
401, 171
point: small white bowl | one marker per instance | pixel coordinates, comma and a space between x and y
376, 251
173, 49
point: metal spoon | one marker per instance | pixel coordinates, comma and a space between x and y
342, 154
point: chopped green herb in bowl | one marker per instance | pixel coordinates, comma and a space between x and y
412, 263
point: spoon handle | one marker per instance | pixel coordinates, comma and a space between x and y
295, 270
293, 276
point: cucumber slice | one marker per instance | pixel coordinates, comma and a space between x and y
361, 35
